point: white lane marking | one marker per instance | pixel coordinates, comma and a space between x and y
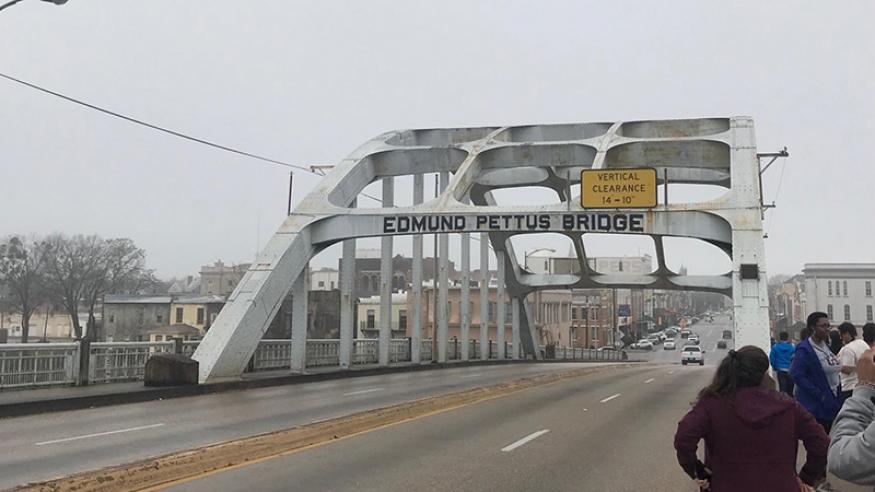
361, 392
471, 375
671, 372
649, 381
98, 434
609, 398
530, 437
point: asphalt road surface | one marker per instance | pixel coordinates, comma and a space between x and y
609, 431
41, 447
606, 432
709, 335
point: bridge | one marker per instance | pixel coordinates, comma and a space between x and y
478, 413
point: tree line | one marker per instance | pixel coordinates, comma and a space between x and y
73, 272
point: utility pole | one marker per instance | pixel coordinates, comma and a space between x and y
291, 182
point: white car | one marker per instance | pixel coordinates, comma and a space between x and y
643, 345
694, 339
669, 344
692, 354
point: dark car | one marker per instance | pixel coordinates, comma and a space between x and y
721, 344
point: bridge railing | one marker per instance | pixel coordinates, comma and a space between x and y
25, 365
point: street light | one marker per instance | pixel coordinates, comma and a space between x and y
526, 255
13, 2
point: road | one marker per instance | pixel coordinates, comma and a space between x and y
608, 431
709, 335
41, 447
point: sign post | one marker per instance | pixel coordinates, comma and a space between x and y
618, 188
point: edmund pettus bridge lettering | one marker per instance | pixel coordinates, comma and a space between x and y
584, 222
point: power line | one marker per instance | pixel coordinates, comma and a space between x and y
152, 126
175, 133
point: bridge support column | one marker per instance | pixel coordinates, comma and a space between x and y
416, 333
515, 327
444, 252
299, 322
484, 296
499, 307
347, 302
465, 310
385, 333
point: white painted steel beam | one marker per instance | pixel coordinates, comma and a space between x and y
484, 296
416, 332
386, 273
300, 291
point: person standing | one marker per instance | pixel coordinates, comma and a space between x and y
779, 358
835, 341
852, 450
815, 371
869, 334
751, 432
849, 355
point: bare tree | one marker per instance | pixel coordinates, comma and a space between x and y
71, 264
22, 270
121, 268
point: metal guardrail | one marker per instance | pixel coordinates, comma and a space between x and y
46, 364
122, 361
38, 364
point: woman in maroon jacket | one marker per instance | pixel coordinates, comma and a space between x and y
751, 432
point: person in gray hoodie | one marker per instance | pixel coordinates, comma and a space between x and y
851, 454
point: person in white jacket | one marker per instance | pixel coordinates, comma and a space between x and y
851, 454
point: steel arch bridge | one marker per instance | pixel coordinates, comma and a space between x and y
473, 162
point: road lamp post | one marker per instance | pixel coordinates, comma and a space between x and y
537, 250
13, 2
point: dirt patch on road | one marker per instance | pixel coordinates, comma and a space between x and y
163, 471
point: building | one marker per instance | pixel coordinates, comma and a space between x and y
221, 279
591, 318
324, 279
844, 291
132, 317
46, 322
787, 304
195, 310
368, 315
631, 307
169, 332
551, 310
367, 273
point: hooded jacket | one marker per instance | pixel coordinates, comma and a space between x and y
780, 356
852, 451
751, 441
812, 387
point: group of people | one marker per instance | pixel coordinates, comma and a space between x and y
825, 397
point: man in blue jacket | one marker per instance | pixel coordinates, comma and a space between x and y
815, 370
779, 358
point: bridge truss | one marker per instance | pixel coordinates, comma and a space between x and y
474, 162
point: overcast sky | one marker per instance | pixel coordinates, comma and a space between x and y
307, 82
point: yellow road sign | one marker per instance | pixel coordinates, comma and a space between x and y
618, 188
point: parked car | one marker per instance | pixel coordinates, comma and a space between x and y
654, 339
692, 354
669, 344
643, 344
